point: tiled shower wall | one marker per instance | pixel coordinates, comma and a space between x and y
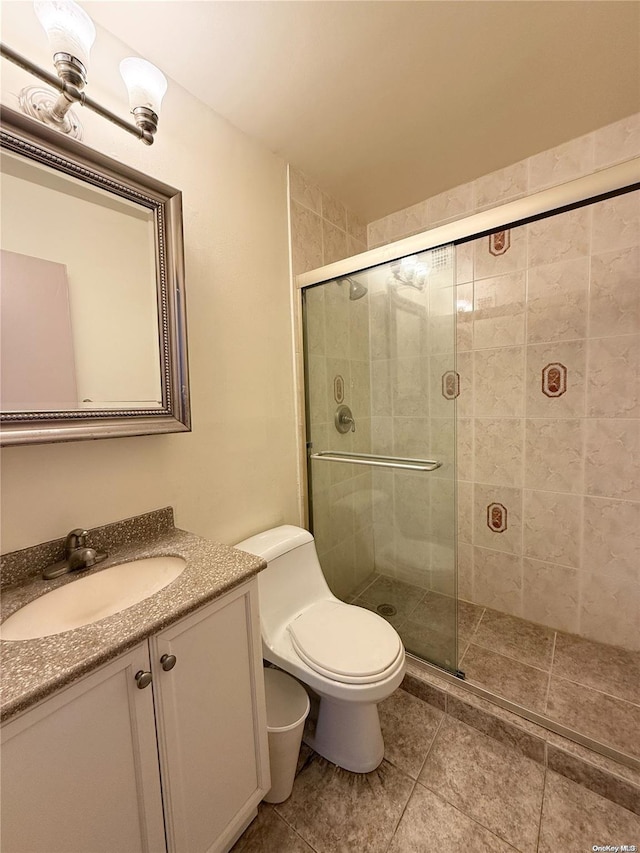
323, 231
549, 404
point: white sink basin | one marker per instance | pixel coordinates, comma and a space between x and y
91, 598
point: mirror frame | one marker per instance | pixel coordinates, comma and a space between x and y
43, 145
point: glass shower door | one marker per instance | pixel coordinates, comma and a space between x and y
381, 388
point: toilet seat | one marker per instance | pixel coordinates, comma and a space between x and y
344, 642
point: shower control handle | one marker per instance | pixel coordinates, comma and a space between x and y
344, 420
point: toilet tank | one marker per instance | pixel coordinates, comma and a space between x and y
293, 579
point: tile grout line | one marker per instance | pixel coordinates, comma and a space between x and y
544, 789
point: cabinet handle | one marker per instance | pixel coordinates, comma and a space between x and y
143, 679
168, 662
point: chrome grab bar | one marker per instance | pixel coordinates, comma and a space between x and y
377, 461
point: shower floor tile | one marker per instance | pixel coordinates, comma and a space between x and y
592, 688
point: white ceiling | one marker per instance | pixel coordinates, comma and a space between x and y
386, 102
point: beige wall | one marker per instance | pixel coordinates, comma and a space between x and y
565, 466
235, 474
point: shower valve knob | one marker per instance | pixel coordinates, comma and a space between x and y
344, 420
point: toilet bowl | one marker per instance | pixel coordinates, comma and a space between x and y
350, 657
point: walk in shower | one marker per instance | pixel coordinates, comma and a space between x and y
381, 381
473, 449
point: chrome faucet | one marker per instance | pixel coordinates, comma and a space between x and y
77, 557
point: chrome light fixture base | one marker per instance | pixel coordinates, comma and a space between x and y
147, 121
39, 103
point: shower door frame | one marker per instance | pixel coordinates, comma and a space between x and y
613, 181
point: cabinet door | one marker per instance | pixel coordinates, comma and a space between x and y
80, 771
211, 723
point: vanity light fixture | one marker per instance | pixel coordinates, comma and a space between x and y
71, 34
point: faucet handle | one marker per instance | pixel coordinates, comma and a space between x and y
75, 539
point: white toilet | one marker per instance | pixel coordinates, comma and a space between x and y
349, 656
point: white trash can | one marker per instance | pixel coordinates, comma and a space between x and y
287, 709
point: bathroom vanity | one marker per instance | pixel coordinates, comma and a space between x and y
152, 732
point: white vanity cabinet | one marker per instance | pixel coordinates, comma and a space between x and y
89, 770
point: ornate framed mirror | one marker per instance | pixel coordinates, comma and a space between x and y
92, 301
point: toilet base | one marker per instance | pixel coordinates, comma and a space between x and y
348, 734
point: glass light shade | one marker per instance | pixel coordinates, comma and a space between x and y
68, 27
145, 83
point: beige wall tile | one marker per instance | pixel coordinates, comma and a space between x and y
464, 429
570, 356
378, 232
384, 541
465, 572
513, 258
501, 186
379, 325
614, 296
412, 502
550, 594
612, 464
553, 454
410, 220
356, 228
358, 311
381, 388
563, 163
465, 400
382, 435
317, 389
610, 610
306, 239
613, 387
616, 223
412, 561
334, 242
336, 306
443, 445
617, 142
557, 301
464, 317
498, 382
611, 541
498, 448
560, 238
410, 387
465, 511
450, 205
509, 539
304, 191
360, 389
334, 211
443, 507
497, 581
464, 254
498, 311
315, 320
364, 556
355, 247
411, 437
552, 527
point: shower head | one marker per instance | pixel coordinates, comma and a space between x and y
356, 290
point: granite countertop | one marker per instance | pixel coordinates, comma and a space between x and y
34, 669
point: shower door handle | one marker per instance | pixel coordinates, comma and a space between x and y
377, 461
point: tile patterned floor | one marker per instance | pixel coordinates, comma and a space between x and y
590, 687
441, 786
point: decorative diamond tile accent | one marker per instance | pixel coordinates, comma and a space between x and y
497, 518
554, 379
450, 385
499, 242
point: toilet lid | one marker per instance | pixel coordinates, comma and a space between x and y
345, 642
